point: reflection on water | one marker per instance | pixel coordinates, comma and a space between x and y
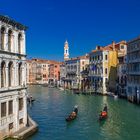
52, 107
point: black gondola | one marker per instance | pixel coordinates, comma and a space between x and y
73, 115
103, 114
30, 99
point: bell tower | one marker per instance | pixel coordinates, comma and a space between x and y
66, 50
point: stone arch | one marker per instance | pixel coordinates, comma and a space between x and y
3, 30
10, 73
20, 74
10, 33
3, 74
20, 43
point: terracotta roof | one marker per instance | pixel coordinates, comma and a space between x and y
109, 47
43, 61
79, 57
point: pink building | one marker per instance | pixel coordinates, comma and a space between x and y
54, 72
40, 71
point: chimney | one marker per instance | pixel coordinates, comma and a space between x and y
97, 47
113, 45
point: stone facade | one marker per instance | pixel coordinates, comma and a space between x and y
133, 70
73, 69
121, 70
13, 107
42, 71
54, 73
103, 68
37, 71
62, 74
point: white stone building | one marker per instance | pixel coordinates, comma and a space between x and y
99, 70
13, 106
103, 67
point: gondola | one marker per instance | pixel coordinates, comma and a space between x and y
103, 115
73, 115
30, 100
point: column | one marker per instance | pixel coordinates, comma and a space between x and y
0, 73
13, 75
25, 108
24, 44
6, 41
16, 111
16, 74
12, 43
0, 36
7, 76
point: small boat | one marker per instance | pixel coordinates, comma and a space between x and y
73, 115
30, 99
103, 115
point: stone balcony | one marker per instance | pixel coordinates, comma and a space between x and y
133, 60
7, 89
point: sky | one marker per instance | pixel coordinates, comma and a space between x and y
84, 23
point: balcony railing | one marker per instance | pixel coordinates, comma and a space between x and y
6, 89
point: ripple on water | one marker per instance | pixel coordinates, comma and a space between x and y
52, 106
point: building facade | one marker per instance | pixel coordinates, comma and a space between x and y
133, 70
37, 71
121, 70
73, 69
54, 73
103, 68
13, 107
62, 74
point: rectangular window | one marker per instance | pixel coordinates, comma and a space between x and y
21, 121
122, 47
20, 103
10, 107
3, 109
11, 125
105, 70
105, 57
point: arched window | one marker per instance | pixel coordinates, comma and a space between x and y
2, 37
3, 74
10, 74
9, 40
20, 74
19, 43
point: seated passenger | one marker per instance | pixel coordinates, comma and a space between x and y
105, 108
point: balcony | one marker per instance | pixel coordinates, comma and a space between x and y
13, 88
133, 60
121, 53
133, 72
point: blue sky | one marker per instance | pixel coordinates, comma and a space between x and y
84, 23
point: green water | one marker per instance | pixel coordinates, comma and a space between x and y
52, 106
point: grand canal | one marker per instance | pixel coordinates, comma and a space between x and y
52, 106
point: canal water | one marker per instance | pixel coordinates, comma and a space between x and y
52, 106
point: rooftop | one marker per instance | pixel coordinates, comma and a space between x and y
12, 22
